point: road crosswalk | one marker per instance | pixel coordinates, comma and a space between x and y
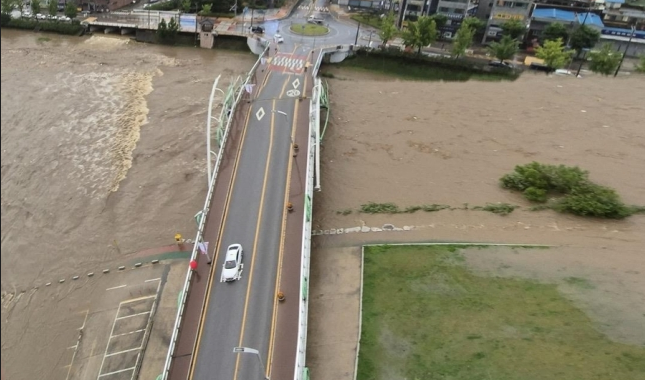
288, 63
317, 9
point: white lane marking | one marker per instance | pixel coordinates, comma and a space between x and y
136, 299
260, 114
293, 93
134, 315
119, 371
124, 351
128, 333
296, 83
153, 279
116, 287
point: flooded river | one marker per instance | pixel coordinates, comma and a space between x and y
103, 149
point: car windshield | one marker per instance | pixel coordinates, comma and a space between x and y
229, 264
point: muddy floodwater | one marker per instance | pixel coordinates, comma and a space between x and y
103, 155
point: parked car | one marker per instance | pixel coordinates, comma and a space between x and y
500, 64
278, 38
64, 18
232, 267
256, 29
40, 16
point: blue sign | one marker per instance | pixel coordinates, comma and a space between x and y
638, 34
188, 22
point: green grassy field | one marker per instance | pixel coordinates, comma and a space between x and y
309, 29
426, 317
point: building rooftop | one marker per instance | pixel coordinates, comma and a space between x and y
592, 19
560, 15
554, 14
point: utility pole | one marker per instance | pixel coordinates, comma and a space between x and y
625, 53
583, 24
358, 28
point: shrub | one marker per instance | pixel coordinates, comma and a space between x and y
46, 26
550, 178
379, 208
579, 196
534, 194
498, 208
6, 18
596, 201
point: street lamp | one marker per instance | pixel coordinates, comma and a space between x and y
286, 117
246, 350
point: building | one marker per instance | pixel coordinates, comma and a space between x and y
455, 11
102, 5
542, 17
620, 15
620, 39
502, 11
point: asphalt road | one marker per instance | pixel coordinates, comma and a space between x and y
240, 313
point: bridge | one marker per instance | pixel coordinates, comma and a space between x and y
261, 187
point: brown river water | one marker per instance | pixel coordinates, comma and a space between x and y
103, 149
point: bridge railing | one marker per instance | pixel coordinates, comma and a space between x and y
301, 372
202, 222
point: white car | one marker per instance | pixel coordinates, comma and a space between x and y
278, 38
232, 268
40, 16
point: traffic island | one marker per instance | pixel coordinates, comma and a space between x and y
311, 30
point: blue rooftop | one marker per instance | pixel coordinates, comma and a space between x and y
554, 14
592, 19
559, 15
615, 1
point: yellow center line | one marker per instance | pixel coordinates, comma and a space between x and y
257, 227
282, 238
219, 240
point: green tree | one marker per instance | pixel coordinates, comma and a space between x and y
604, 61
70, 10
514, 28
388, 29
462, 41
554, 31
420, 33
640, 67
52, 7
7, 6
439, 20
35, 6
206, 9
473, 23
173, 29
553, 54
185, 6
584, 38
505, 49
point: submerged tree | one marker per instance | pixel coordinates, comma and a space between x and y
553, 54
604, 61
505, 49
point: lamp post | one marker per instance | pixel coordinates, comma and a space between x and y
626, 48
286, 116
246, 350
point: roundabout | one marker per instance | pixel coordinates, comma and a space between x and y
311, 30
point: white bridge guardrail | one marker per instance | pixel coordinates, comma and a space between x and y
301, 372
202, 222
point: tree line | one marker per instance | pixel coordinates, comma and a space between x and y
559, 45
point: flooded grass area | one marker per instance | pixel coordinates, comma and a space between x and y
427, 316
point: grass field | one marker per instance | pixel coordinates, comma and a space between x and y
309, 29
426, 317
